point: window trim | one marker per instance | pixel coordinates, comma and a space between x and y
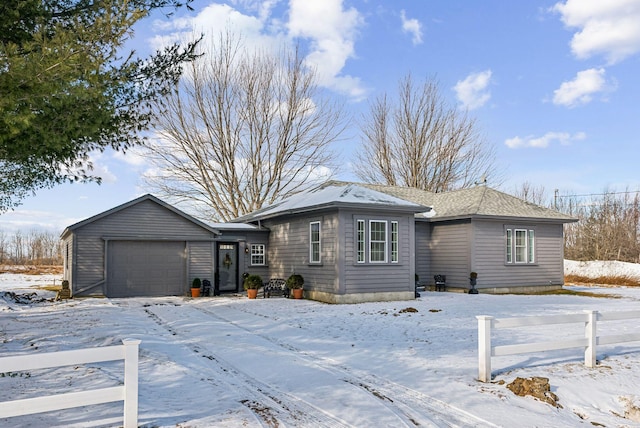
313, 243
254, 253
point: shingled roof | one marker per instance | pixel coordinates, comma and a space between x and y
476, 202
335, 194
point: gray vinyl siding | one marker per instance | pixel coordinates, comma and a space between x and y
288, 250
201, 261
490, 259
379, 277
146, 220
423, 254
450, 250
246, 239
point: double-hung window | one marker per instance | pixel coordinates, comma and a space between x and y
520, 245
257, 254
314, 242
377, 241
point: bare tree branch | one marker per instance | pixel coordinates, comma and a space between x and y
243, 129
422, 142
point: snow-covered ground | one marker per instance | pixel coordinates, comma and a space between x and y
231, 362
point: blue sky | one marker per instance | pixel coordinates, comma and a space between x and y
553, 85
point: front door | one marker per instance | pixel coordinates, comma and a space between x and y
227, 266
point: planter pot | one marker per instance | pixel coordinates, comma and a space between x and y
252, 293
297, 293
195, 292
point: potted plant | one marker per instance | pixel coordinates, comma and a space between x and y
252, 283
195, 287
295, 283
473, 278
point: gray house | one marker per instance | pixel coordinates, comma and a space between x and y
351, 242
513, 245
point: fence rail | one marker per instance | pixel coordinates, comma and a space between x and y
128, 392
486, 324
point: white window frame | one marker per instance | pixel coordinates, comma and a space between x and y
258, 251
361, 241
313, 244
395, 242
377, 242
520, 245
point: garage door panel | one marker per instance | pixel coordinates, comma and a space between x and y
146, 268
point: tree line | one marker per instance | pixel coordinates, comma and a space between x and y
608, 226
36, 247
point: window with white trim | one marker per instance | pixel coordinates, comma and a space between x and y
377, 241
520, 246
257, 254
314, 242
394, 242
361, 237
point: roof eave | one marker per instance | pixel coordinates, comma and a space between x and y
337, 205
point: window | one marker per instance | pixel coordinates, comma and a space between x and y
361, 241
314, 241
520, 246
394, 242
257, 254
377, 241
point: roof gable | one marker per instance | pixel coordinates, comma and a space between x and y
141, 199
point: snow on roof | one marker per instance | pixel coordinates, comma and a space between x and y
333, 194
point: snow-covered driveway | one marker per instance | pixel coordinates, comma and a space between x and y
230, 361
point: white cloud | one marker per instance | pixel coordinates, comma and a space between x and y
564, 138
413, 27
472, 91
330, 29
581, 89
605, 27
332, 32
135, 156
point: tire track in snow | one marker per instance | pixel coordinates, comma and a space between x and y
413, 407
272, 408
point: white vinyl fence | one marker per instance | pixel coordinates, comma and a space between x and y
128, 392
486, 324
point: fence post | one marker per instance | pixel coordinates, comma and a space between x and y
590, 333
484, 347
131, 382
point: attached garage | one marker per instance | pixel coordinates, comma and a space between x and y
142, 248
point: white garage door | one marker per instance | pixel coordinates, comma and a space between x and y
146, 268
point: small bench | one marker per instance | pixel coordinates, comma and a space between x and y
275, 287
441, 282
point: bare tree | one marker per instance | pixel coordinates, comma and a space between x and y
244, 128
608, 229
531, 193
420, 141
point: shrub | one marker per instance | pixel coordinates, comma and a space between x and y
295, 281
252, 282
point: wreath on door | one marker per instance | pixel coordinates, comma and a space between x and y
227, 261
